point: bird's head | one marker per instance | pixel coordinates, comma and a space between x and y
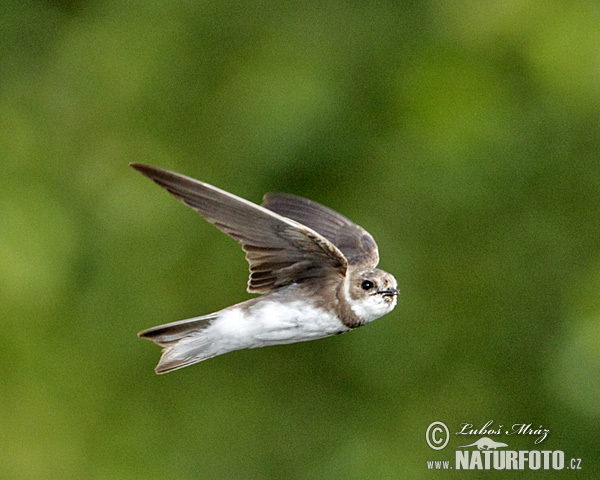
371, 293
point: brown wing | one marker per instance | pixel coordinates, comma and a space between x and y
355, 242
280, 251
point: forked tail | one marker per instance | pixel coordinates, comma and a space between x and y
185, 342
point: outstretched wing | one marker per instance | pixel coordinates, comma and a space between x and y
280, 251
355, 242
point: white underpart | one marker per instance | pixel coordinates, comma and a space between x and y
276, 322
265, 323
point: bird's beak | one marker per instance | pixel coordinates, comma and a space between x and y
390, 292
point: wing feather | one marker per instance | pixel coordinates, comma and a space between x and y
357, 245
279, 250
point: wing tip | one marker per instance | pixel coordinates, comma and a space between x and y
139, 166
148, 170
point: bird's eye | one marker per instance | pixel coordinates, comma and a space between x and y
366, 285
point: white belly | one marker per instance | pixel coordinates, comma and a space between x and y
272, 323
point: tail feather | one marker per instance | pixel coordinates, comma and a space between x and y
184, 353
169, 333
186, 342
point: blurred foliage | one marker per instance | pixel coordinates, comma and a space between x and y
464, 135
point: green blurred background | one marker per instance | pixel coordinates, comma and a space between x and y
465, 136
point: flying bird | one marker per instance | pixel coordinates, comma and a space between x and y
314, 267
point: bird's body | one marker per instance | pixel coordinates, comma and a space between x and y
268, 320
294, 247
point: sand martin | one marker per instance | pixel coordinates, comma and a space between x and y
315, 268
